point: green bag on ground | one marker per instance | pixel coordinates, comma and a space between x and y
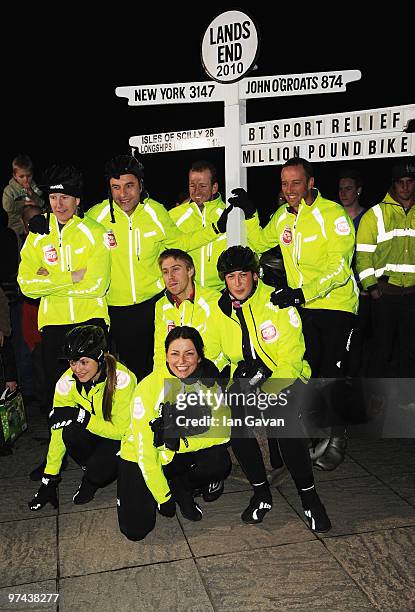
13, 420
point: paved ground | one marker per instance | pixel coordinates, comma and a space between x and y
366, 562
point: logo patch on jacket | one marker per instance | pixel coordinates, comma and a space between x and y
286, 236
170, 325
138, 411
50, 254
341, 227
64, 385
269, 332
123, 379
110, 240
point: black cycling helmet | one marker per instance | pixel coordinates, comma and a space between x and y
85, 341
237, 258
123, 164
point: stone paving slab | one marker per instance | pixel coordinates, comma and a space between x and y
91, 542
28, 551
402, 484
222, 530
356, 505
301, 577
17, 492
104, 498
43, 589
388, 456
382, 564
164, 587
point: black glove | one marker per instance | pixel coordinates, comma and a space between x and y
167, 508
65, 415
253, 375
241, 200
38, 225
287, 297
223, 219
46, 493
165, 428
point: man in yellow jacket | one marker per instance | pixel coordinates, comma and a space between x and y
183, 302
265, 347
138, 229
385, 261
205, 206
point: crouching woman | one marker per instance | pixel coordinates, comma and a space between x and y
91, 411
177, 444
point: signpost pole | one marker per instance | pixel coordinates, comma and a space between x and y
235, 173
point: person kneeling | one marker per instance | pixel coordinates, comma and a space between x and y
90, 415
176, 447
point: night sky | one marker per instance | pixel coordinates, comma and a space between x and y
62, 65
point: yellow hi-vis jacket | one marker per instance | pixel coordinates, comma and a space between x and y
137, 444
275, 336
196, 313
317, 246
70, 392
135, 242
386, 244
79, 244
189, 218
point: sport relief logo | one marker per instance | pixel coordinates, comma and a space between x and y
342, 228
50, 254
269, 332
110, 239
286, 236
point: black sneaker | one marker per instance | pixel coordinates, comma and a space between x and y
189, 508
259, 505
213, 491
315, 512
85, 493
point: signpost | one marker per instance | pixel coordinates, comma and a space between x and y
229, 50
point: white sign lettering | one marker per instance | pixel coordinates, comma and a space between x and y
144, 95
179, 141
297, 84
229, 46
388, 144
391, 119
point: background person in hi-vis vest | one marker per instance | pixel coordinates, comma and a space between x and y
317, 242
138, 229
385, 260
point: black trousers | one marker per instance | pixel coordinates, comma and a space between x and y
293, 449
137, 507
53, 337
97, 455
132, 335
393, 337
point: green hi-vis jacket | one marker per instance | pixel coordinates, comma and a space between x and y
386, 244
137, 444
197, 313
79, 244
189, 218
70, 392
135, 242
275, 335
317, 246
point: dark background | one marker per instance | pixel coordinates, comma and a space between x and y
63, 62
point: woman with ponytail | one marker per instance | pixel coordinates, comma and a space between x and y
91, 412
